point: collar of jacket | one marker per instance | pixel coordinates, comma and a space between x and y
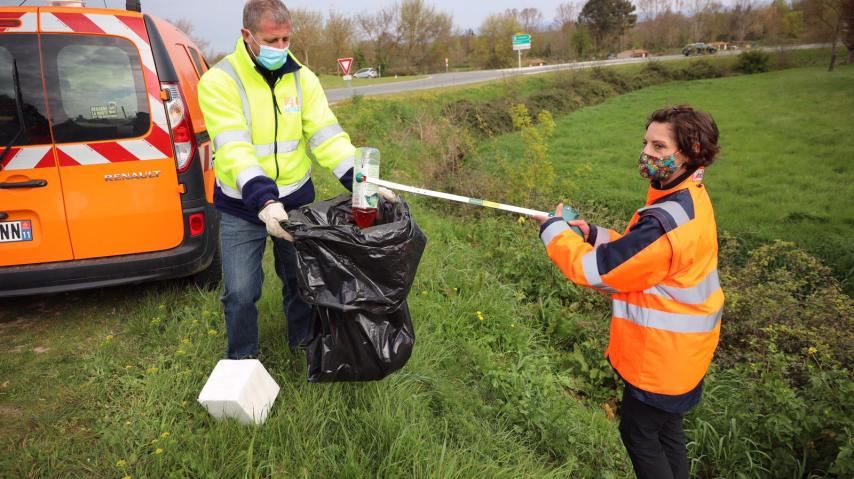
657, 190
241, 51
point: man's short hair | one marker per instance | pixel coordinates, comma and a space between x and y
254, 10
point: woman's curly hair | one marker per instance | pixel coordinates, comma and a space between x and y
696, 132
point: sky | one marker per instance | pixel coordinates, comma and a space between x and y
220, 20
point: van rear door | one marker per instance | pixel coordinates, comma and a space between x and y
112, 138
32, 214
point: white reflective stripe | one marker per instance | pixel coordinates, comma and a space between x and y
29, 23
142, 150
552, 231
673, 322
232, 135
324, 134
248, 175
693, 295
680, 216
84, 154
27, 158
281, 146
51, 23
228, 68
591, 273
602, 236
284, 190
111, 24
299, 88
343, 167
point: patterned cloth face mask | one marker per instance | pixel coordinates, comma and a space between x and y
655, 167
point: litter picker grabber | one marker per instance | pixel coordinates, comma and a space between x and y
568, 212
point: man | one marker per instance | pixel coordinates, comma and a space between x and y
264, 110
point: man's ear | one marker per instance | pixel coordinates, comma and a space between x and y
696, 148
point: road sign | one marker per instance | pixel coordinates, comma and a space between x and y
345, 63
522, 41
348, 77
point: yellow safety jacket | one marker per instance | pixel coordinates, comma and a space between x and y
663, 280
262, 133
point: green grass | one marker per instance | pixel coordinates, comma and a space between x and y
333, 81
785, 169
90, 382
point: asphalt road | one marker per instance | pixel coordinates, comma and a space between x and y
441, 80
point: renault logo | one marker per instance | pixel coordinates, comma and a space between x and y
141, 175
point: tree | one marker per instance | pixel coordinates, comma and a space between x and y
530, 19
378, 28
848, 36
423, 33
339, 34
607, 20
830, 16
307, 32
496, 33
581, 43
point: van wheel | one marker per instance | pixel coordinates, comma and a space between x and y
210, 278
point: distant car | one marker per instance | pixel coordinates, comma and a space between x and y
698, 49
366, 73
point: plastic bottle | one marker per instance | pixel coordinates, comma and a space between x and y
365, 195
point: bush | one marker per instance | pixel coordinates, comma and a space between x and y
700, 69
754, 61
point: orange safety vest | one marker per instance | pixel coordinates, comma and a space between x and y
663, 280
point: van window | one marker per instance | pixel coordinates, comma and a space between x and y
198, 60
96, 89
21, 51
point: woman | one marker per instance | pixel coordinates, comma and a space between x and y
663, 281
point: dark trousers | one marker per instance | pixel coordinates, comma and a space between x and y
654, 440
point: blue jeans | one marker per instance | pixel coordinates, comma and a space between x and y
243, 246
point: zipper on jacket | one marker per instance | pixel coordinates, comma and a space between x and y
276, 111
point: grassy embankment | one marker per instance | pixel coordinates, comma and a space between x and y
103, 383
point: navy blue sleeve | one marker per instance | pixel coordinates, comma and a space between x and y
258, 191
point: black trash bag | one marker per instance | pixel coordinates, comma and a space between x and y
358, 346
347, 268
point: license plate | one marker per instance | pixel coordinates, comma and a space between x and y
14, 231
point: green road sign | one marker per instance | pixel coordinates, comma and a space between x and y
522, 39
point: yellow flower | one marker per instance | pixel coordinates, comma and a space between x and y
128, 423
121, 463
128, 367
127, 477
186, 341
521, 220
158, 451
183, 403
109, 337
179, 352
195, 321
212, 332
152, 370
479, 315
812, 350
162, 307
164, 435
155, 441
155, 321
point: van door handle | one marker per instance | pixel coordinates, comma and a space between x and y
3, 215
24, 184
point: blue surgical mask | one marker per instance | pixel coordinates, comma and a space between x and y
269, 57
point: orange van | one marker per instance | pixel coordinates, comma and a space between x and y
106, 169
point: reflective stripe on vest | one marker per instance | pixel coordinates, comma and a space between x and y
602, 236
591, 273
693, 295
284, 190
232, 135
281, 146
673, 322
672, 208
344, 167
228, 68
324, 134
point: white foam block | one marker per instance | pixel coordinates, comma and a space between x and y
239, 389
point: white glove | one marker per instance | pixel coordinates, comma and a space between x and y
272, 215
387, 194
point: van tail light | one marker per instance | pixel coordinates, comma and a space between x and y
183, 137
197, 224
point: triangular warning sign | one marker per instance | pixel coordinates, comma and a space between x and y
345, 63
